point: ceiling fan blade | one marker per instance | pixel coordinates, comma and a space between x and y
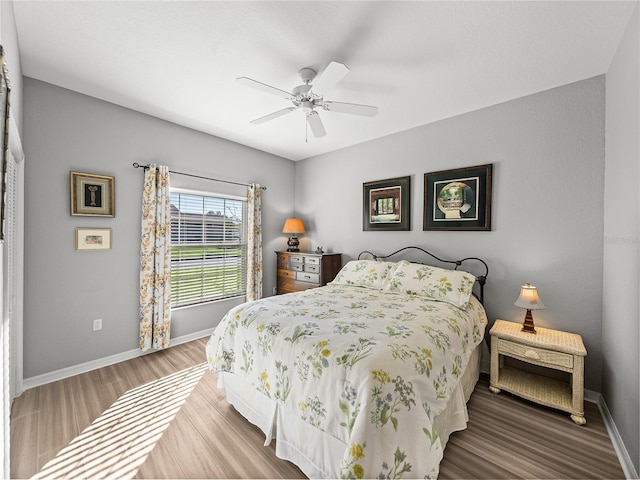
330, 77
353, 108
313, 119
271, 116
264, 87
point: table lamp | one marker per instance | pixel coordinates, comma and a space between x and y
530, 300
293, 226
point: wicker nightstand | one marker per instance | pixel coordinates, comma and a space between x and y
547, 348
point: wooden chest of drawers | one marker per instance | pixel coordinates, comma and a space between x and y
301, 270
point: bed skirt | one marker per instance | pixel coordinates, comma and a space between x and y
291, 432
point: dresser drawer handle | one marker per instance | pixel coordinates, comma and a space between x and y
532, 354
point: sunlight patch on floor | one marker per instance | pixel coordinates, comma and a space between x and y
118, 442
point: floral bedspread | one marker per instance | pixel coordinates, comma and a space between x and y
372, 369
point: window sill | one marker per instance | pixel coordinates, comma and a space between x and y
184, 307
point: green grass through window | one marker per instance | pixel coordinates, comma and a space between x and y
200, 274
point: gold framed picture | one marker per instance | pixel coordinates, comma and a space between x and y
92, 194
93, 238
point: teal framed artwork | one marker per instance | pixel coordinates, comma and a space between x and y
458, 199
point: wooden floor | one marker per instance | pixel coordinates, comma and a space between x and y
161, 416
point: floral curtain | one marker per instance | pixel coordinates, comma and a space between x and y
155, 260
254, 243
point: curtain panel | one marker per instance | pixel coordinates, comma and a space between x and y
155, 260
254, 242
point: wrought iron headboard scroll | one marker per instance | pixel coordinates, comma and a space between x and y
480, 279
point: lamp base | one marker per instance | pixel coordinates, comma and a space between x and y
293, 243
527, 325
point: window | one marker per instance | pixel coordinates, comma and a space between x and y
208, 247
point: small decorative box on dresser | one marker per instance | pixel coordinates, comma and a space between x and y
546, 348
300, 270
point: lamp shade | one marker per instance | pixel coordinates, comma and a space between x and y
293, 225
529, 298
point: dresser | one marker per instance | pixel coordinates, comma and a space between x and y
301, 270
547, 348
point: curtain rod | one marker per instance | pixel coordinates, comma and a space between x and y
146, 167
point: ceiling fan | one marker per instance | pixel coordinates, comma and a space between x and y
307, 99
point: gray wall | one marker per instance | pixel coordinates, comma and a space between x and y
65, 289
621, 284
547, 152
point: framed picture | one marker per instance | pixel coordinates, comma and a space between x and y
5, 92
93, 239
386, 204
458, 199
92, 194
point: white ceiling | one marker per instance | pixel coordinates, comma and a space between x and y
418, 61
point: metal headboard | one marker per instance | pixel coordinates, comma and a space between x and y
480, 279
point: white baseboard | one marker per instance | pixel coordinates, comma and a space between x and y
623, 454
56, 375
592, 396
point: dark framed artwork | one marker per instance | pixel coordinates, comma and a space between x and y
5, 92
92, 194
387, 204
458, 199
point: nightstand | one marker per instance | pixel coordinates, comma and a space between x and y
303, 270
547, 348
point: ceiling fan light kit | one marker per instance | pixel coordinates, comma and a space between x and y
308, 97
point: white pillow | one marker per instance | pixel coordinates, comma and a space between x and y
364, 273
451, 286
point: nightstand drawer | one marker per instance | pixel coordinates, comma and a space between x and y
298, 267
308, 277
283, 274
296, 259
535, 355
286, 283
311, 268
313, 260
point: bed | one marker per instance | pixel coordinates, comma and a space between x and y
365, 377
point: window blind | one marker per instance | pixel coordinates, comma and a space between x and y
208, 247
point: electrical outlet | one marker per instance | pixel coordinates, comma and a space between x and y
97, 324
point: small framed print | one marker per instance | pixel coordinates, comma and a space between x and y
93, 239
386, 204
92, 194
458, 199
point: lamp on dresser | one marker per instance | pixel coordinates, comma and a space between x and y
530, 300
293, 226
